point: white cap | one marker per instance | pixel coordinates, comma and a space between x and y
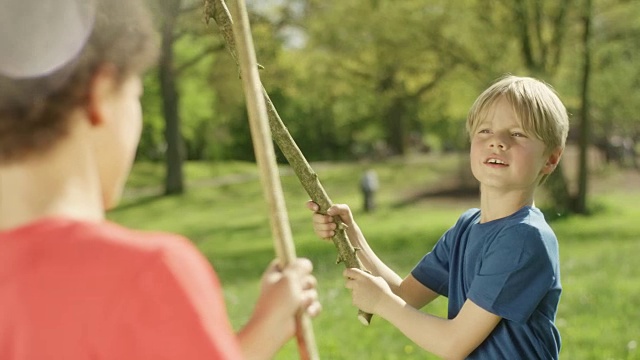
38, 37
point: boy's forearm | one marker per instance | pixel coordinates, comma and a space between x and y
370, 260
431, 333
258, 341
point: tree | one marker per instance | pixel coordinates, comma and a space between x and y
615, 95
540, 28
174, 181
580, 204
345, 84
386, 58
169, 71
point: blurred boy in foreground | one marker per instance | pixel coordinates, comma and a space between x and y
72, 284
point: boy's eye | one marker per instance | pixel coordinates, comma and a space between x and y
484, 131
518, 134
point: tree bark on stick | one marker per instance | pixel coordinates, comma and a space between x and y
218, 11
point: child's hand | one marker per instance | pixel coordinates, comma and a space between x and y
367, 291
286, 292
323, 225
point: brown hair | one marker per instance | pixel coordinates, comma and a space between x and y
34, 111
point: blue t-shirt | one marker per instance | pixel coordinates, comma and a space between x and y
509, 267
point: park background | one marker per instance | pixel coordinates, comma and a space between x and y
386, 85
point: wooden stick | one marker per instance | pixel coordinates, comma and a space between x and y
266, 159
217, 10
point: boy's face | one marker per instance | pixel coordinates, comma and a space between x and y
503, 156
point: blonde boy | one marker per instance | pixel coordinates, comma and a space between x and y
498, 265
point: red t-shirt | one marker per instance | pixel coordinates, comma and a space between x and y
79, 290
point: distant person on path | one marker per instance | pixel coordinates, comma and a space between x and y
369, 185
499, 264
74, 285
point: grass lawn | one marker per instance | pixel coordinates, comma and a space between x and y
225, 215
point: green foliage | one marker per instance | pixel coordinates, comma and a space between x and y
226, 217
616, 87
152, 143
353, 77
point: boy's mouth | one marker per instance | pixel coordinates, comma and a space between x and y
496, 161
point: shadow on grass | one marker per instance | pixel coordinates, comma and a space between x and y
595, 209
453, 192
139, 201
250, 264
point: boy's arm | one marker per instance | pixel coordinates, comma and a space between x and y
450, 339
325, 228
283, 293
369, 259
412, 291
415, 293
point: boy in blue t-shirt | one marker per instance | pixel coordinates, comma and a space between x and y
498, 265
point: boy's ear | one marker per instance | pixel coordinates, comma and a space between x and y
101, 86
553, 159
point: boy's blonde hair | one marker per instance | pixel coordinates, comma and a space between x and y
536, 104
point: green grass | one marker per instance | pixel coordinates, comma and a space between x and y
600, 307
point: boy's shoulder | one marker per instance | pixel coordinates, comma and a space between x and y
530, 218
526, 228
97, 243
108, 234
528, 223
469, 216
465, 221
527, 216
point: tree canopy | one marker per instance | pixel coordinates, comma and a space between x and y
376, 77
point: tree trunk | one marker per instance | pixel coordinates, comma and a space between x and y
580, 205
558, 189
395, 123
535, 50
174, 181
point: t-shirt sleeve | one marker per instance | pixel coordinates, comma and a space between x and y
515, 274
433, 269
172, 309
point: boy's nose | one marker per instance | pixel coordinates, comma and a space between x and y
498, 141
